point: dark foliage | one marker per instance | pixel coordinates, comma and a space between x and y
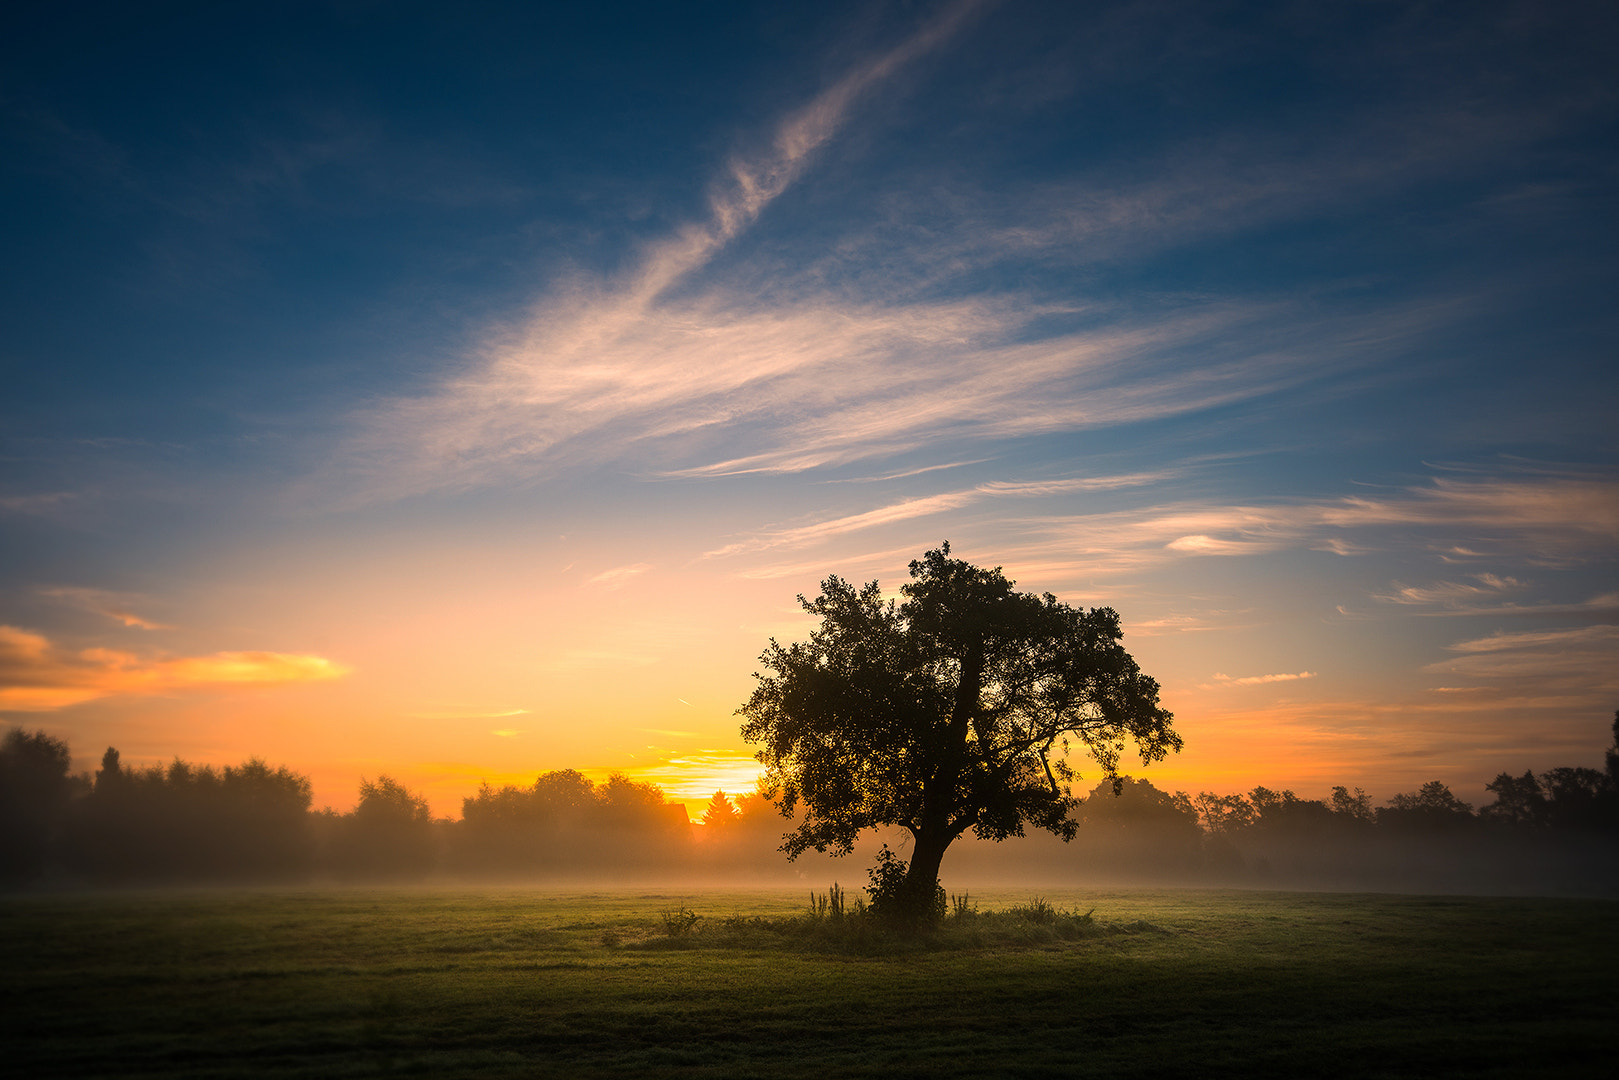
389, 834
564, 825
192, 822
34, 791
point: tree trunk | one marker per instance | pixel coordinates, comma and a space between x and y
933, 834
922, 878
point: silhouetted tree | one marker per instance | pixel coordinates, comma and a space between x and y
721, 813
1356, 808
1285, 812
389, 834
1613, 754
1576, 799
1431, 807
950, 712
194, 821
34, 789
1222, 815
565, 824
1130, 825
1518, 801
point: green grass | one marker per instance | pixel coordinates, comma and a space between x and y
510, 982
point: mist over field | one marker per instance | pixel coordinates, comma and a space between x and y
1557, 834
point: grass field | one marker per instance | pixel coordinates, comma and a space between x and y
511, 982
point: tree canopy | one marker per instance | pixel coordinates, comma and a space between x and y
953, 711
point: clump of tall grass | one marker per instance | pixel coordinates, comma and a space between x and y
679, 922
829, 925
829, 905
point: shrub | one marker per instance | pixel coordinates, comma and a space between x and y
680, 922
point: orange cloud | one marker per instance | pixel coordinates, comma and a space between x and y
37, 676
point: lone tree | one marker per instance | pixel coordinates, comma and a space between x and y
955, 710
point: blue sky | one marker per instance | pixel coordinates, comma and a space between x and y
460, 394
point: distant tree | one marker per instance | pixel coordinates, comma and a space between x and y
721, 812
1222, 815
1518, 801
564, 824
1130, 825
389, 834
191, 821
1431, 807
1285, 812
951, 712
111, 772
34, 791
1576, 799
564, 794
1352, 808
1613, 754
630, 804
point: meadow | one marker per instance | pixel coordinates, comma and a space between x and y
529, 982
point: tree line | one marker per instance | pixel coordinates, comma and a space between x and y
254, 822
188, 822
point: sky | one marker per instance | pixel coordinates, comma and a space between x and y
459, 392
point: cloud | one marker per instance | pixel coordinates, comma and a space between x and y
742, 370
1553, 640
911, 472
923, 506
1259, 680
1569, 519
1574, 668
619, 576
823, 530
1074, 484
1451, 593
621, 355
37, 676
1200, 544
732, 378
45, 503
115, 606
468, 714
698, 774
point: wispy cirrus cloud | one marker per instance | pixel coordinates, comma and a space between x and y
116, 606
38, 676
1571, 518
825, 530
619, 576
1567, 519
728, 378
1574, 668
1221, 679
1451, 594
468, 713
620, 354
927, 505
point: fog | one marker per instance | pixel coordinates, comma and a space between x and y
1553, 834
